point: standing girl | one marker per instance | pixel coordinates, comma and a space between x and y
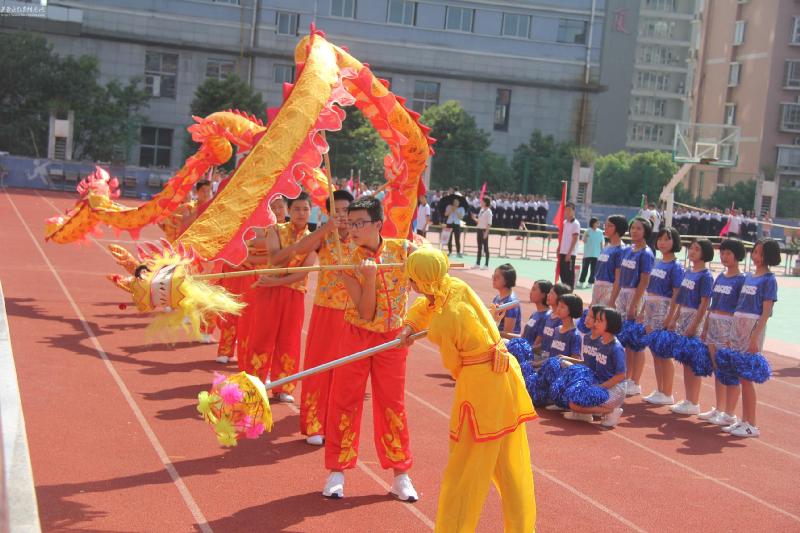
634, 276
503, 281
693, 300
592, 245
719, 326
609, 260
758, 296
454, 213
659, 304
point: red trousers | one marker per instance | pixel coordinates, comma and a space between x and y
272, 331
228, 324
343, 425
325, 326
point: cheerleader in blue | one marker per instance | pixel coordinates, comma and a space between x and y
756, 300
566, 341
659, 305
610, 260
552, 322
634, 276
687, 321
504, 279
719, 327
532, 331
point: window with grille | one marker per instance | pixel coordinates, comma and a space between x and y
160, 74
653, 133
652, 80
660, 5
790, 117
343, 8
219, 68
738, 32
792, 79
155, 147
734, 72
502, 108
730, 114
515, 25
286, 23
459, 19
572, 31
402, 12
426, 94
796, 30
283, 73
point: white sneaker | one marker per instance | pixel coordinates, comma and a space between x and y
723, 419
659, 398
632, 389
315, 440
708, 415
474, 267
735, 425
554, 407
485, 267
579, 417
222, 359
284, 397
334, 487
611, 419
685, 407
403, 490
205, 338
746, 429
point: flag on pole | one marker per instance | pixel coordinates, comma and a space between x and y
642, 206
727, 227
483, 192
558, 221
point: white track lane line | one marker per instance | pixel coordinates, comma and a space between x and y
191, 504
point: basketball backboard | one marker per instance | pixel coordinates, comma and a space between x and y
706, 144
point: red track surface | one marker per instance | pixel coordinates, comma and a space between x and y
117, 445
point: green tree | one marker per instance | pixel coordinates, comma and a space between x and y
357, 146
621, 178
540, 165
743, 194
230, 92
788, 203
43, 82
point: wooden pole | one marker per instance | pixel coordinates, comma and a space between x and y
332, 203
292, 270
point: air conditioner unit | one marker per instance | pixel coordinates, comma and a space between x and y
154, 83
154, 180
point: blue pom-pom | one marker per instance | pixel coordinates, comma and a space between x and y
527, 370
581, 324
550, 370
693, 353
587, 395
537, 391
572, 376
520, 348
661, 342
752, 367
634, 335
726, 369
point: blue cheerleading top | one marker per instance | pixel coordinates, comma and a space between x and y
608, 262
755, 290
533, 328
694, 287
605, 360
665, 277
548, 330
568, 343
580, 325
725, 295
514, 312
634, 264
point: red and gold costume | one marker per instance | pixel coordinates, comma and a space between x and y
229, 324
387, 370
271, 346
327, 323
173, 225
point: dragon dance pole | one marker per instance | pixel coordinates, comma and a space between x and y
292, 270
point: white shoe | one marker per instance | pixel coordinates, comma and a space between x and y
485, 267
315, 440
222, 359
205, 338
284, 397
746, 429
723, 419
685, 407
554, 407
611, 419
474, 267
334, 487
579, 417
708, 415
659, 398
735, 425
403, 490
632, 389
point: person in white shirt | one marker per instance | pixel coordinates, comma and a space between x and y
484, 222
566, 249
735, 228
423, 216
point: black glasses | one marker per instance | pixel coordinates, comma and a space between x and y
358, 224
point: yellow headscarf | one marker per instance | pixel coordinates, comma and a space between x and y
428, 268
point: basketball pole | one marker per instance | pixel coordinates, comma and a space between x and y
667, 193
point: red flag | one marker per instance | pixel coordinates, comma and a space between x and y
727, 227
350, 185
483, 192
558, 221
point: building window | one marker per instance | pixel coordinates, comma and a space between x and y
730, 114
426, 94
657, 55
502, 109
796, 30
231, 2
652, 133
219, 68
654, 107
459, 19
657, 29
660, 5
790, 117
160, 74
343, 8
572, 31
286, 23
515, 25
738, 33
155, 147
656, 81
402, 12
792, 80
733, 74
283, 73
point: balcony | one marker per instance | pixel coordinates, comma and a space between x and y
788, 159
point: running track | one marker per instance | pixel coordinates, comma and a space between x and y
117, 445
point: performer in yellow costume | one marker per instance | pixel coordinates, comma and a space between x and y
487, 430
